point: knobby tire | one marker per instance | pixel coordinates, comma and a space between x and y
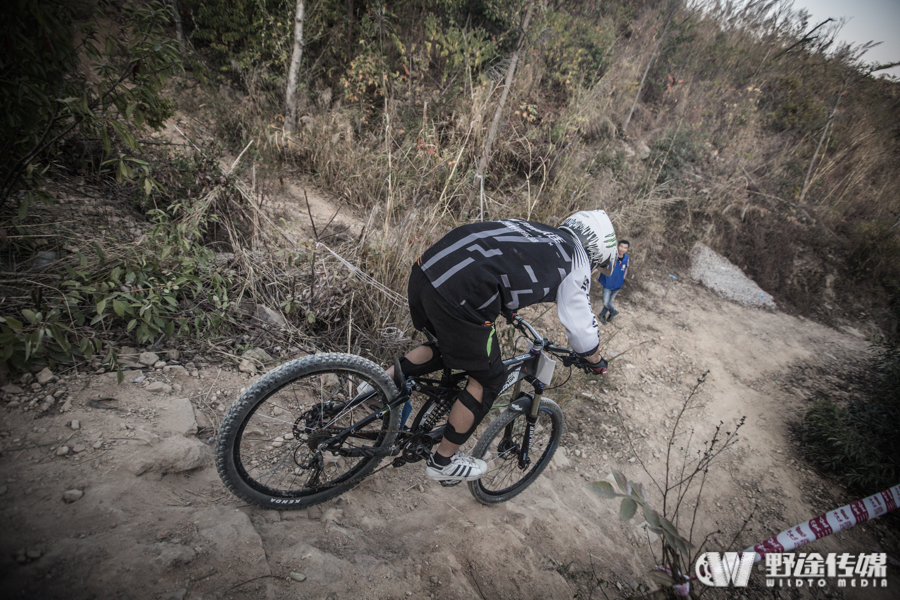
266, 450
504, 479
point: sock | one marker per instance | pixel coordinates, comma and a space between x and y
439, 460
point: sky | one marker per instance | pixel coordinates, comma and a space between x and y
869, 20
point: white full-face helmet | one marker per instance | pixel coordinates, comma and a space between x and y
595, 232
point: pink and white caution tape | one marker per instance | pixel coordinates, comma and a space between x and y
839, 519
842, 518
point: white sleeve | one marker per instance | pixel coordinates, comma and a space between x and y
573, 303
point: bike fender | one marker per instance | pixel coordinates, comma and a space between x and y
522, 404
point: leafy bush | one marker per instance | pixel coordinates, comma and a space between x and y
49, 99
576, 51
674, 152
858, 441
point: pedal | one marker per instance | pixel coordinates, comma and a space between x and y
398, 462
450, 483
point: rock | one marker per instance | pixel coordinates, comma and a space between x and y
12, 389
172, 555
298, 576
59, 394
33, 553
62, 451
78, 448
226, 531
98, 444
247, 366
177, 416
158, 387
642, 150
66, 407
42, 260
173, 354
176, 454
175, 370
36, 387
178, 594
45, 376
258, 356
148, 358
269, 316
333, 515
159, 364
561, 461
26, 378
3, 489
75, 424
71, 496
720, 275
319, 567
201, 419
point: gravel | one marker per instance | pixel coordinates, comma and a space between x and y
718, 274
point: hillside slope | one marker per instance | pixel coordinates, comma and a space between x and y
398, 535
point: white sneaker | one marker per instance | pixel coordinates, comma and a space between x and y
462, 467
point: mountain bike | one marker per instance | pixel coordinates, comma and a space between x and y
315, 427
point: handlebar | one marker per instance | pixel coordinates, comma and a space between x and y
567, 356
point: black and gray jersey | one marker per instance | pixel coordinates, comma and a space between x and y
484, 268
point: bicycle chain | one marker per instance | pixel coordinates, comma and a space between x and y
358, 479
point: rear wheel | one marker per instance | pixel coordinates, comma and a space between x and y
500, 446
269, 450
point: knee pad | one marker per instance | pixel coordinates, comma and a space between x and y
478, 409
453, 436
413, 370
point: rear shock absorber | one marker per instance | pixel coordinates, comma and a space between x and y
442, 408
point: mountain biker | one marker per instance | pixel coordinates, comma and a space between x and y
462, 283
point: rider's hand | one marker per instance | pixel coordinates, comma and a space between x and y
509, 314
598, 368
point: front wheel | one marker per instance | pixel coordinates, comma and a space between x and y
273, 446
500, 447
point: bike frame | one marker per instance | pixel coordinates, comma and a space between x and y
523, 367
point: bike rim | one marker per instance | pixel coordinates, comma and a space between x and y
504, 474
272, 450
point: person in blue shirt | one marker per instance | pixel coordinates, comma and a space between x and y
612, 278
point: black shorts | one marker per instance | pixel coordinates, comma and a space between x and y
465, 343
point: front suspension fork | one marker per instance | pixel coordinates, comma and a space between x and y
531, 420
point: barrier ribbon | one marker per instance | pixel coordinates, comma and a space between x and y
839, 519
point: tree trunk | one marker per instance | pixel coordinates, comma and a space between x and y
485, 157
290, 101
179, 29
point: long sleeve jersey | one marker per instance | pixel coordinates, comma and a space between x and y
486, 267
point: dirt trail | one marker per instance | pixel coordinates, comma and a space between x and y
137, 524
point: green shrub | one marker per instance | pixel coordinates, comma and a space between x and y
674, 152
576, 51
858, 441
49, 99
